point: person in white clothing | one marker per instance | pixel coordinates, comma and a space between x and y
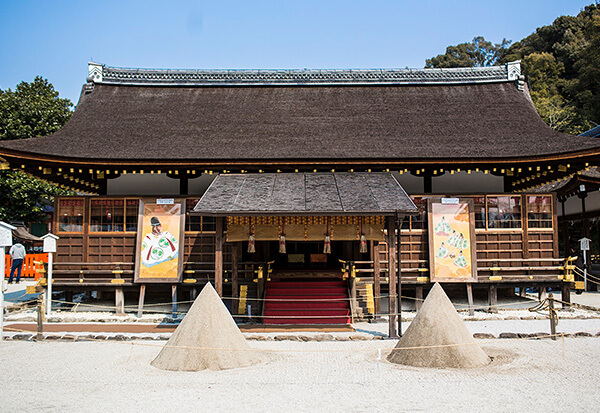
17, 254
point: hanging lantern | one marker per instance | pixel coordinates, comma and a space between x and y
327, 246
282, 244
251, 246
363, 244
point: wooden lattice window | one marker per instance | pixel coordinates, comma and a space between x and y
198, 223
504, 211
70, 215
107, 215
132, 207
539, 211
113, 215
480, 211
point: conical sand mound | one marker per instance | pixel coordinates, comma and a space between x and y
207, 338
438, 324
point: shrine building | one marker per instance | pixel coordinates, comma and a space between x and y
347, 188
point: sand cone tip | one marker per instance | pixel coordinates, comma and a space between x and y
438, 337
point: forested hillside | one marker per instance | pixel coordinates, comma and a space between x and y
561, 63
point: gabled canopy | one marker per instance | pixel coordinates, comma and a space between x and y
339, 193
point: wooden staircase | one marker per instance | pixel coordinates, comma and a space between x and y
306, 302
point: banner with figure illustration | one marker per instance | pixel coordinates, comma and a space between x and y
159, 252
452, 241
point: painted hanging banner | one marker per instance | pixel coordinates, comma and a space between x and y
159, 252
452, 251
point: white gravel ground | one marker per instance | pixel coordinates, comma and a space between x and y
526, 375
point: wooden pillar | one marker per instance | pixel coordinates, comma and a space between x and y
219, 256
508, 188
376, 277
427, 184
566, 295
525, 228
183, 186
141, 300
119, 301
353, 304
470, 298
418, 298
399, 272
565, 230
103, 187
174, 299
493, 298
235, 289
392, 300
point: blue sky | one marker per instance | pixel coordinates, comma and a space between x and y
55, 39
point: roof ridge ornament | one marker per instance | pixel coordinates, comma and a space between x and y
94, 72
513, 70
99, 73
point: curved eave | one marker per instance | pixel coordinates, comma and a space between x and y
39, 157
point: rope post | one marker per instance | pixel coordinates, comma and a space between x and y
40, 320
552, 316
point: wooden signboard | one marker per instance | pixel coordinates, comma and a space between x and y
452, 249
159, 251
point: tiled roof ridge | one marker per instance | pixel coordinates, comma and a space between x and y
100, 73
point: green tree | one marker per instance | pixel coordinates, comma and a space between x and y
25, 198
32, 109
586, 89
478, 52
561, 63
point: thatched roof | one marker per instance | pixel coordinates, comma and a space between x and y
340, 193
426, 114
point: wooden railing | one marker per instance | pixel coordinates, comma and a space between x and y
28, 270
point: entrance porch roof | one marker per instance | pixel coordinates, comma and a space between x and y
324, 194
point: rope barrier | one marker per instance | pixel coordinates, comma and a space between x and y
132, 308
583, 274
544, 305
489, 341
461, 307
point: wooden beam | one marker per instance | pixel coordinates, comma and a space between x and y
399, 273
174, 299
566, 295
392, 300
493, 298
140, 311
427, 184
183, 186
235, 288
418, 298
219, 256
119, 301
376, 277
470, 298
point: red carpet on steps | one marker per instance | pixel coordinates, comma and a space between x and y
306, 302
